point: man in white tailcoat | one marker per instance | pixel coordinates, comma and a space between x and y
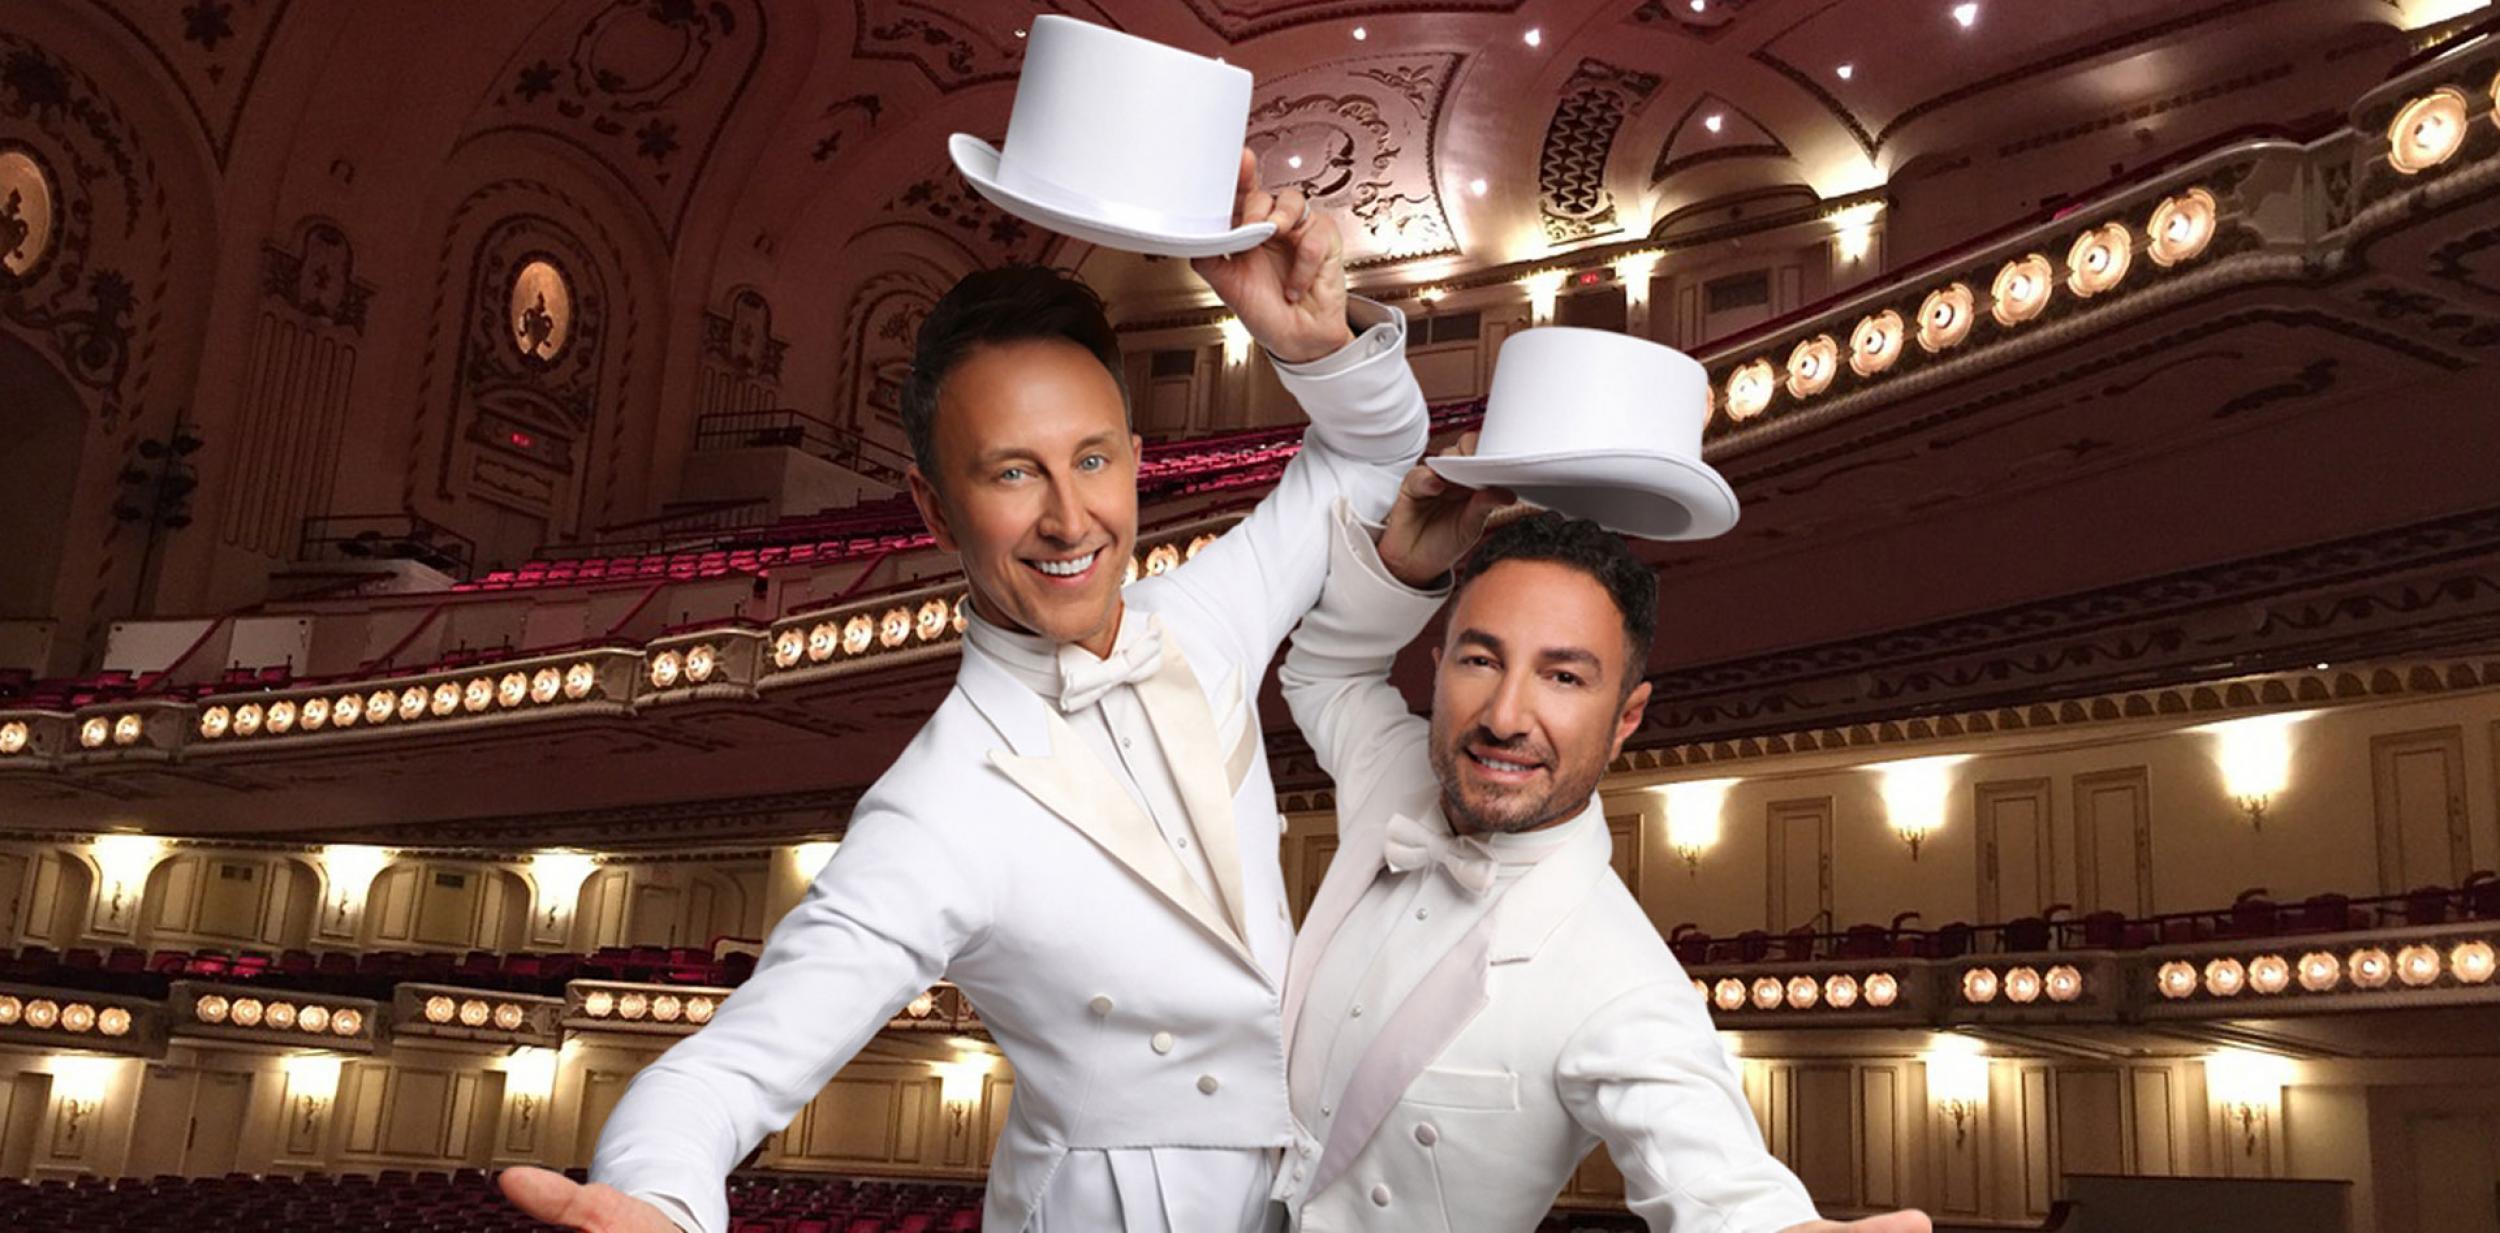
1476, 1000
1084, 836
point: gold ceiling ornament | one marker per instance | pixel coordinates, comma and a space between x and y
1944, 320
2181, 228
1812, 366
26, 206
1749, 390
2427, 131
1875, 344
541, 310
2021, 290
2099, 259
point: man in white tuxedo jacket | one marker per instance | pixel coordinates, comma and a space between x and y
1084, 836
1476, 1000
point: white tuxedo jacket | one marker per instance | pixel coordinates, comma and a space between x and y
1559, 1022
998, 853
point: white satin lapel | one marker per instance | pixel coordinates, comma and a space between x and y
1070, 782
1350, 873
1441, 1006
1185, 725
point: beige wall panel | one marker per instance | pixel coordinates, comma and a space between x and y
2113, 842
417, 1111
1824, 1119
2419, 796
1880, 1138
2091, 1121
2016, 877
1798, 888
447, 907
1447, 372
2155, 1122
601, 1089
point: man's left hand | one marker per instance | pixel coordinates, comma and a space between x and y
1290, 291
1890, 1222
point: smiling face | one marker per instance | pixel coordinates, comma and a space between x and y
1036, 488
1528, 704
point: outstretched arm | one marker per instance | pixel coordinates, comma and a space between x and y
882, 921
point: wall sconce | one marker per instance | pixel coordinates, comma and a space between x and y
1634, 271
2247, 1087
1544, 287
2255, 756
351, 868
312, 1079
1693, 817
812, 855
1915, 793
1856, 237
959, 1088
1236, 341
529, 1077
123, 862
80, 1083
559, 876
1957, 1080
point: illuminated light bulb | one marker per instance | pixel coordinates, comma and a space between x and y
545, 684
1749, 390
858, 634
2269, 974
1730, 994
2063, 983
666, 1007
894, 628
1360, 34
1804, 992
791, 645
382, 706
210, 1008
2473, 962
1966, 15
446, 698
346, 710
346, 1021
665, 667
113, 1021
1535, 37
2427, 131
1477, 187
412, 702
440, 1009
43, 1014
2370, 968
78, 1017
1841, 991
509, 1016
2224, 978
699, 1010
313, 1019
95, 732
280, 1015
1875, 344
1882, 989
478, 694
512, 690
822, 641
2320, 971
12, 1009
2021, 290
1979, 986
281, 717
2177, 980
2022, 986
633, 1005
598, 1003
126, 729
1714, 121
579, 680
247, 719
2417, 966
2099, 259
700, 663
1944, 320
1847, 71
1812, 366
213, 722
316, 714
13, 736
475, 1013
247, 1012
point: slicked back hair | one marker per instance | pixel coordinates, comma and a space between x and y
1591, 549
1010, 304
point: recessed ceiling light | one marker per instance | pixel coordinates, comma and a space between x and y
1714, 122
1294, 162
1535, 36
1476, 186
1360, 34
1019, 32
1700, 5
1847, 71
1967, 14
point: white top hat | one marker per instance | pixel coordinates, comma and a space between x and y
1602, 426
1120, 142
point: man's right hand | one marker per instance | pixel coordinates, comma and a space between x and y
1435, 522
594, 1208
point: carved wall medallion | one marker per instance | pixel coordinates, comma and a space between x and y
1571, 171
1357, 136
317, 277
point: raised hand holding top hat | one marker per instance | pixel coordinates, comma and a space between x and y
1289, 292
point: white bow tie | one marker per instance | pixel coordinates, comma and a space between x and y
1083, 679
1411, 845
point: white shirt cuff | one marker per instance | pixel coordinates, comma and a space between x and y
1382, 329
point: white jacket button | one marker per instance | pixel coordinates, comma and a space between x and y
1162, 1042
1102, 1004
1426, 1134
1207, 1084
1380, 1195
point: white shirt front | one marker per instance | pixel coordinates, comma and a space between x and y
1402, 926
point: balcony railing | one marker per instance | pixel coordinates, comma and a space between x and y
788, 429
387, 537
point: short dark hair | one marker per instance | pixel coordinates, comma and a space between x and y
1008, 304
1589, 548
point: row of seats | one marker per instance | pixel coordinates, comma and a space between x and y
466, 1201
371, 974
2255, 914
